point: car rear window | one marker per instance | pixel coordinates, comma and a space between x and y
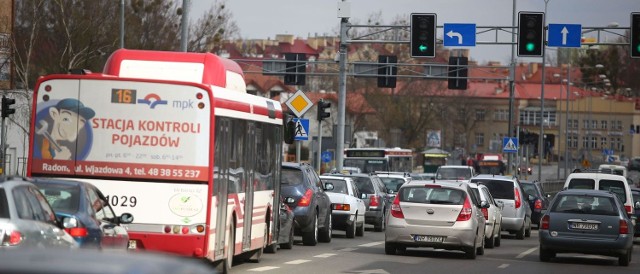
428, 195
529, 189
499, 189
339, 186
615, 186
582, 183
392, 183
4, 205
291, 177
64, 198
583, 204
364, 185
453, 174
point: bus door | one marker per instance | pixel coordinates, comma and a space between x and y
249, 156
221, 183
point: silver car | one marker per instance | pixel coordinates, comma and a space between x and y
27, 219
492, 215
516, 213
439, 215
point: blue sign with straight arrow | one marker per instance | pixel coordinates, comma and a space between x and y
459, 35
565, 35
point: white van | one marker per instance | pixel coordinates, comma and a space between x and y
613, 169
597, 180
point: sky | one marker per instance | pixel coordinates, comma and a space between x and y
262, 19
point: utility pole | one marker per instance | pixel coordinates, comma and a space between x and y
343, 14
541, 137
184, 32
512, 86
121, 23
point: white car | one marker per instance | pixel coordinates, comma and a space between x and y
441, 215
492, 215
347, 207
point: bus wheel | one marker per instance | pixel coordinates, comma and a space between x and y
271, 248
258, 253
230, 251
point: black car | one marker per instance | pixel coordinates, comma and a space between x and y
304, 193
635, 193
376, 201
538, 201
634, 164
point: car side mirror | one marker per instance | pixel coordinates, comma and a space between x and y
69, 222
500, 204
391, 191
289, 200
531, 197
363, 195
125, 218
328, 186
548, 195
637, 206
484, 204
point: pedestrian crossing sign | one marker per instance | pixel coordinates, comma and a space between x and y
302, 129
510, 144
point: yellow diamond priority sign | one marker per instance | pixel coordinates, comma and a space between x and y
299, 103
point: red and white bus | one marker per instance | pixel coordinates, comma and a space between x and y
379, 159
172, 138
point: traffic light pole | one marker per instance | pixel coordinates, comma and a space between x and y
319, 156
512, 89
4, 151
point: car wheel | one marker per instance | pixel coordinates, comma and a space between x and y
379, 227
288, 244
351, 230
470, 252
527, 233
325, 234
499, 237
480, 249
311, 237
360, 230
624, 260
546, 255
491, 242
520, 233
389, 248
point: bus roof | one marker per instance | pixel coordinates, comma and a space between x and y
204, 68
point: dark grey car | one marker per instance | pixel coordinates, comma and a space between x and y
302, 189
588, 222
376, 201
27, 219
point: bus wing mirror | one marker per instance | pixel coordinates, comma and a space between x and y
289, 128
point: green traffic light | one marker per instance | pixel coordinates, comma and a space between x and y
638, 48
530, 46
422, 48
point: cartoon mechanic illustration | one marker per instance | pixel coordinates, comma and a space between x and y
67, 118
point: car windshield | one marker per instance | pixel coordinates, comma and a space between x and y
616, 187
427, 195
499, 189
339, 186
453, 174
291, 176
61, 197
364, 185
4, 206
584, 204
392, 183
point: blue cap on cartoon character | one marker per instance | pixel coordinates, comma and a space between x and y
77, 107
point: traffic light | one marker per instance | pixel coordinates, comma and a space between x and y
6, 106
458, 73
387, 71
635, 35
289, 125
530, 33
296, 68
323, 110
423, 35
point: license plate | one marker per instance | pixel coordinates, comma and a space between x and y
132, 244
429, 239
584, 226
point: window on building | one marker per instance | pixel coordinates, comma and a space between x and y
594, 124
479, 139
603, 142
585, 124
594, 142
575, 124
501, 115
480, 114
619, 125
573, 141
585, 141
603, 125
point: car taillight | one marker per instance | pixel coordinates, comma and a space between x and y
517, 198
344, 207
374, 201
628, 209
465, 213
77, 231
544, 223
538, 204
624, 228
15, 237
485, 212
396, 210
306, 199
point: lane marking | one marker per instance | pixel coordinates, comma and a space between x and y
521, 255
264, 268
325, 255
503, 266
347, 249
371, 244
297, 261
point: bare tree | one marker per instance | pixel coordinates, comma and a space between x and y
210, 30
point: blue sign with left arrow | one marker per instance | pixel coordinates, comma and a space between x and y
565, 35
459, 35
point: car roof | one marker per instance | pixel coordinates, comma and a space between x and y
345, 178
12, 181
588, 192
59, 181
596, 175
447, 183
497, 177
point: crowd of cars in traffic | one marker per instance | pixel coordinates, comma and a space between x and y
452, 209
